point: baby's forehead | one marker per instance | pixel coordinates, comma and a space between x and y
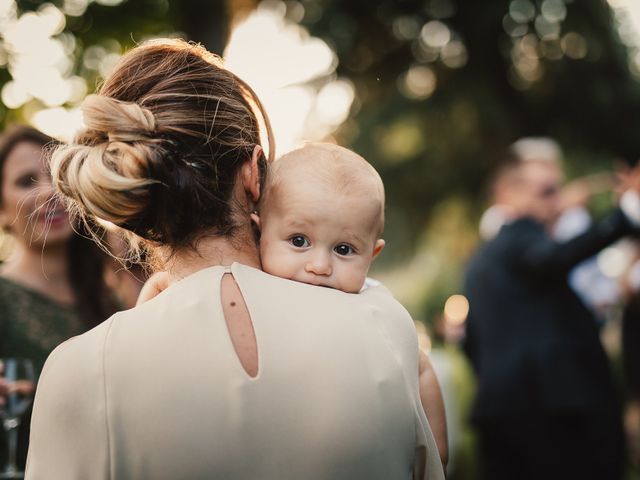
330, 166
334, 177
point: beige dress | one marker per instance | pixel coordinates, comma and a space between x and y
158, 392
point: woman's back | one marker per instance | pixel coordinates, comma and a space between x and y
164, 395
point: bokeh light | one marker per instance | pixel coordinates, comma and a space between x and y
456, 309
547, 29
298, 85
538, 34
40, 60
627, 18
406, 27
419, 82
553, 11
58, 122
75, 8
574, 45
513, 27
522, 11
434, 41
454, 54
435, 34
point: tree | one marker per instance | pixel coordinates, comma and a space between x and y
441, 143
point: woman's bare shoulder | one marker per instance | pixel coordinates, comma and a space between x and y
79, 352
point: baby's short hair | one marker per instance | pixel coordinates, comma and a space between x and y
337, 167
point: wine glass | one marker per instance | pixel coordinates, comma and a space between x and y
19, 377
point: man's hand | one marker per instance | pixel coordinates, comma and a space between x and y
21, 387
4, 391
628, 178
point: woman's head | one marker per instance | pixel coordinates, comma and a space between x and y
27, 210
164, 143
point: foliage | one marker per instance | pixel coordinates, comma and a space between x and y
444, 144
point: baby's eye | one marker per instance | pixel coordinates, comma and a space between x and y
343, 249
299, 241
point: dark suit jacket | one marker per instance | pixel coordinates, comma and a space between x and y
630, 347
534, 345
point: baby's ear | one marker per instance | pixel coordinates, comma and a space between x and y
378, 247
256, 220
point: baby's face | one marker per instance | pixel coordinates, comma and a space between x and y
313, 234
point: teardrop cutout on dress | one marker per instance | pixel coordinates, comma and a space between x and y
239, 324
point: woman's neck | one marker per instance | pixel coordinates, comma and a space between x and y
211, 251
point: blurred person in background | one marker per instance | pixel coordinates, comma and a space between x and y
545, 405
597, 290
631, 355
51, 285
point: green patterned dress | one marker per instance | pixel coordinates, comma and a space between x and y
31, 326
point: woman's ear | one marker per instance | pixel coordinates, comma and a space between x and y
251, 174
378, 247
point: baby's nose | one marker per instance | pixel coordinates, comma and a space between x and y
319, 264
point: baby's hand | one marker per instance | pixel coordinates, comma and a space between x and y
158, 282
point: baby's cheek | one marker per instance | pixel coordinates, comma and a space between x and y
352, 281
275, 262
266, 257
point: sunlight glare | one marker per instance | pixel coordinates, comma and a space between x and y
627, 15
333, 102
38, 60
293, 74
58, 122
292, 71
14, 95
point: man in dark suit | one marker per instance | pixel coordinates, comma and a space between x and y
631, 362
545, 406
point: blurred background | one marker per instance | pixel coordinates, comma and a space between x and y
431, 92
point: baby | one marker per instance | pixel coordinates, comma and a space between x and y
320, 220
321, 217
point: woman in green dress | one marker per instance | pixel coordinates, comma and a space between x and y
52, 284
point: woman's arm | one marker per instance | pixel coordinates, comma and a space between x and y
536, 253
433, 404
69, 432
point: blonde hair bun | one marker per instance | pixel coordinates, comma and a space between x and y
105, 170
165, 139
120, 121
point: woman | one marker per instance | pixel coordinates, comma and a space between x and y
51, 286
230, 372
